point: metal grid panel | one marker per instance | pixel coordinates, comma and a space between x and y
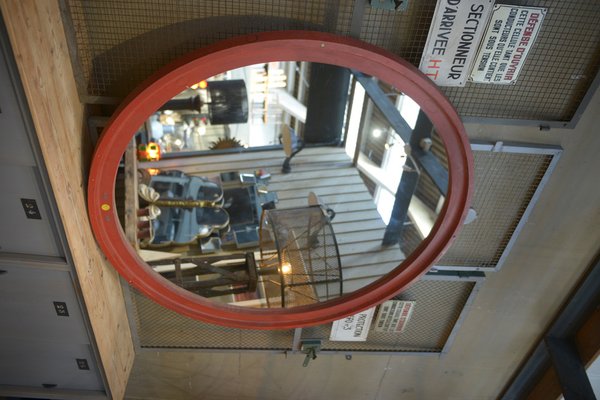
403, 33
504, 186
438, 305
118, 44
556, 75
159, 327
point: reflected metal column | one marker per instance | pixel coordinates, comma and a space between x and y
421, 160
409, 181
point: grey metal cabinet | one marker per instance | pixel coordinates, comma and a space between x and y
46, 346
39, 304
44, 342
48, 365
17, 150
24, 212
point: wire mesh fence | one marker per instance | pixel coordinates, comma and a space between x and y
159, 327
118, 44
504, 186
438, 305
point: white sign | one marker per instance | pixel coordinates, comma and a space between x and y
454, 36
394, 315
509, 37
353, 328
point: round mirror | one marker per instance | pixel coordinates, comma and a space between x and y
280, 180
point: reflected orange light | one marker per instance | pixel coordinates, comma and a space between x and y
149, 152
200, 85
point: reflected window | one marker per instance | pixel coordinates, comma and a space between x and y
409, 109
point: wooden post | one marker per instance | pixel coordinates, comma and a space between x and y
38, 40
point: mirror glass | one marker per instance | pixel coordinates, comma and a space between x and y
281, 184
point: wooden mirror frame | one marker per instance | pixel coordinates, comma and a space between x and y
254, 49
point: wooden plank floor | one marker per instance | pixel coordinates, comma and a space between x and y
328, 172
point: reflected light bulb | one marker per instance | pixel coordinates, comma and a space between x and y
376, 133
286, 268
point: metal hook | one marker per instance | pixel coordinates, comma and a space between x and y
311, 355
310, 347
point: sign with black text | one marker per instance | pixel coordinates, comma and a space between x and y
353, 328
509, 37
454, 36
394, 315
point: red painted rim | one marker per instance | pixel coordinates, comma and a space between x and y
255, 49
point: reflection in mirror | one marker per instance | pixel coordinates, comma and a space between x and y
282, 184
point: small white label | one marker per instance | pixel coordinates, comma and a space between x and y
354, 328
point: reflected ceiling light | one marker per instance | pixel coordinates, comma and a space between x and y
286, 268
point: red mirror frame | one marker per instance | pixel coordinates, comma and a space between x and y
255, 49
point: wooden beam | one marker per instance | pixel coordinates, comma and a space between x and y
588, 339
547, 387
569, 369
579, 319
38, 40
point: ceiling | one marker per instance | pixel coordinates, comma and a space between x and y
510, 313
